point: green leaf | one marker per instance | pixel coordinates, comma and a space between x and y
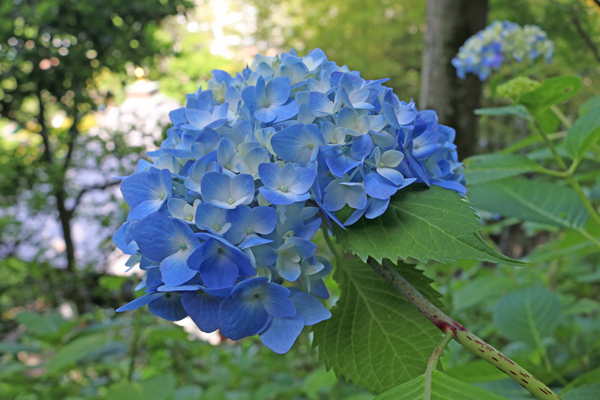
587, 392
75, 351
515, 110
589, 105
481, 289
507, 388
583, 134
15, 348
547, 120
553, 91
589, 377
319, 381
188, 393
530, 200
492, 167
438, 387
40, 325
528, 315
10, 368
476, 371
422, 223
157, 388
375, 338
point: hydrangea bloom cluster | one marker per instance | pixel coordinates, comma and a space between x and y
222, 218
486, 50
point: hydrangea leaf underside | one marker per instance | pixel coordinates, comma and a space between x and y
375, 338
425, 224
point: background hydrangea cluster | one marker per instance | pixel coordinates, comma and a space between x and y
224, 214
486, 50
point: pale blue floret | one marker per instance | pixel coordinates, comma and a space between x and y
181, 209
169, 242
212, 219
146, 192
271, 102
225, 192
298, 143
287, 185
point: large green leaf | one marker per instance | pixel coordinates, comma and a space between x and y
423, 223
530, 200
589, 105
157, 388
553, 91
528, 315
583, 134
375, 338
587, 378
438, 386
515, 110
75, 351
476, 292
492, 167
587, 392
476, 371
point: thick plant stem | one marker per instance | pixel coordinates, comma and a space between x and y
463, 335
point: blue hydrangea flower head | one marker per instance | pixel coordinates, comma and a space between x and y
500, 41
223, 215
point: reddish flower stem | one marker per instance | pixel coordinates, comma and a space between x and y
463, 335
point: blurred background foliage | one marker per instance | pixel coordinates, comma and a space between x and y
73, 76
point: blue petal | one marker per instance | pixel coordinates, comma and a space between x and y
262, 219
319, 104
311, 309
286, 110
304, 180
378, 187
123, 240
139, 302
215, 187
239, 319
136, 189
340, 164
242, 186
267, 115
203, 309
249, 98
269, 175
177, 116
361, 147
377, 207
174, 269
279, 198
198, 118
159, 236
274, 298
252, 241
145, 208
281, 333
168, 307
278, 90
288, 142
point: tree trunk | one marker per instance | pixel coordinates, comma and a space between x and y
449, 24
